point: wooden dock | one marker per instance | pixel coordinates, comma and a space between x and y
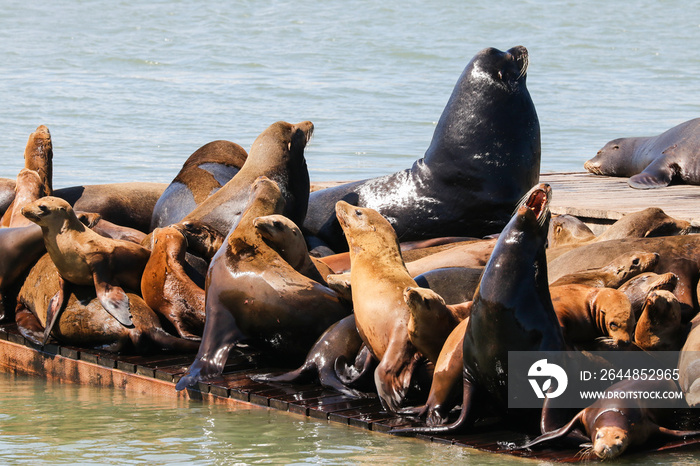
598, 200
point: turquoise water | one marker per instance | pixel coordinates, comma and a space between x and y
130, 89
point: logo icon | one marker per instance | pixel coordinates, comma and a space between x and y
542, 369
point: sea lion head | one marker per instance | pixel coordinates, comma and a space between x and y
284, 140
610, 441
363, 221
532, 214
38, 155
615, 315
496, 69
659, 323
48, 210
611, 159
171, 240
202, 239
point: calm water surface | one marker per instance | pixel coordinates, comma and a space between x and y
130, 89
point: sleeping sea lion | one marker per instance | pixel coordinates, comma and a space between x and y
659, 327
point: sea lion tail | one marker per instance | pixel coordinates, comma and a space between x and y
168, 341
561, 432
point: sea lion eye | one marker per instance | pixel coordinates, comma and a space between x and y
358, 212
616, 146
614, 326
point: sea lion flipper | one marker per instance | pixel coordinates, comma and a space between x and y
393, 374
657, 175
561, 432
28, 324
112, 297
54, 309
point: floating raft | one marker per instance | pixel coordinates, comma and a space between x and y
583, 195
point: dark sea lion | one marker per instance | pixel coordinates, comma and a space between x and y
20, 248
7, 194
253, 294
127, 204
454, 284
677, 254
203, 173
84, 322
340, 342
512, 309
277, 153
639, 287
446, 387
285, 237
689, 364
84, 257
617, 423
378, 277
166, 287
567, 230
586, 313
612, 275
659, 327
201, 239
652, 162
483, 157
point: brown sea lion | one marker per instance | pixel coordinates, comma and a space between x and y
652, 162
512, 310
20, 248
659, 327
96, 223
29, 187
166, 287
253, 294
586, 313
639, 287
613, 275
378, 278
84, 322
203, 173
202, 240
677, 254
277, 153
7, 194
689, 364
84, 257
466, 254
285, 237
620, 420
127, 204
341, 342
446, 386
567, 230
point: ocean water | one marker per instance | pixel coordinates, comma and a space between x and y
130, 89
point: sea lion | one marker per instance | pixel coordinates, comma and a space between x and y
567, 230
378, 280
639, 287
35, 180
285, 237
20, 248
483, 157
677, 254
127, 204
340, 343
166, 287
689, 365
252, 293
621, 269
29, 187
586, 313
96, 223
454, 284
203, 173
659, 327
652, 162
7, 194
446, 386
620, 420
512, 309
277, 153
471, 254
430, 320
201, 239
84, 322
84, 257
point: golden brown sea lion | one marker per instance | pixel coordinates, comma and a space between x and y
379, 277
586, 313
84, 257
565, 230
253, 294
84, 322
689, 365
639, 287
166, 287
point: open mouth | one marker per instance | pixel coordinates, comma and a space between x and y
538, 200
